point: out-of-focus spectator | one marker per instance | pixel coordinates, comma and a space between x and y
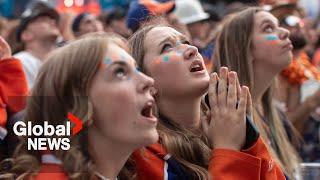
299, 79
116, 22
139, 11
12, 37
311, 36
3, 27
86, 23
38, 31
191, 13
65, 24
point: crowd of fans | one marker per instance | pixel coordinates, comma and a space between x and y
166, 90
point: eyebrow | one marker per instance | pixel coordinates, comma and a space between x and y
165, 40
122, 63
181, 37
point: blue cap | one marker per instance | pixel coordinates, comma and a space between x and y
140, 10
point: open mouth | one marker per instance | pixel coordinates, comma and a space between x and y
196, 66
147, 109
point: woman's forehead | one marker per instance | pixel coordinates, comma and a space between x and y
117, 53
158, 34
162, 32
263, 16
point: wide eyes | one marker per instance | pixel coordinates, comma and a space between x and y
168, 46
186, 42
120, 72
268, 29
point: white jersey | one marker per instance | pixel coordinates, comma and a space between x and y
31, 66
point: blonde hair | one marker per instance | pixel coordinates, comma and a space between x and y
62, 86
190, 150
233, 50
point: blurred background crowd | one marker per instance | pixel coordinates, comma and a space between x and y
34, 28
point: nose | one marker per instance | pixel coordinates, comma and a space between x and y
284, 33
145, 83
190, 52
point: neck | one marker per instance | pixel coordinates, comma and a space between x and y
262, 82
185, 112
109, 156
40, 49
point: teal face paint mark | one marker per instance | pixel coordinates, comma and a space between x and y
165, 58
272, 38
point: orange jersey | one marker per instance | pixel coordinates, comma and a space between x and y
252, 164
300, 70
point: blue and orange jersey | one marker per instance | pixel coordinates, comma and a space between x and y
254, 163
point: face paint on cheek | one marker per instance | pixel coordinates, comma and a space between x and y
272, 39
165, 58
157, 61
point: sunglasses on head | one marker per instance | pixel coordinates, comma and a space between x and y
293, 21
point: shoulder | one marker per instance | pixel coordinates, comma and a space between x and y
150, 162
52, 172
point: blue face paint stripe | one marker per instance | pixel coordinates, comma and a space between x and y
272, 37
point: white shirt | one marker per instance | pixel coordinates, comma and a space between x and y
31, 66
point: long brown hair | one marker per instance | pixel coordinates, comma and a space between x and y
190, 150
233, 50
62, 86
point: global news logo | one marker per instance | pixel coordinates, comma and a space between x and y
46, 136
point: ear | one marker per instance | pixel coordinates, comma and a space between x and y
26, 36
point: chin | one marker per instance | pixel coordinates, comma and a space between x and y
286, 60
200, 85
149, 138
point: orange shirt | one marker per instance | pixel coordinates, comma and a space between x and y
252, 164
13, 88
300, 70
